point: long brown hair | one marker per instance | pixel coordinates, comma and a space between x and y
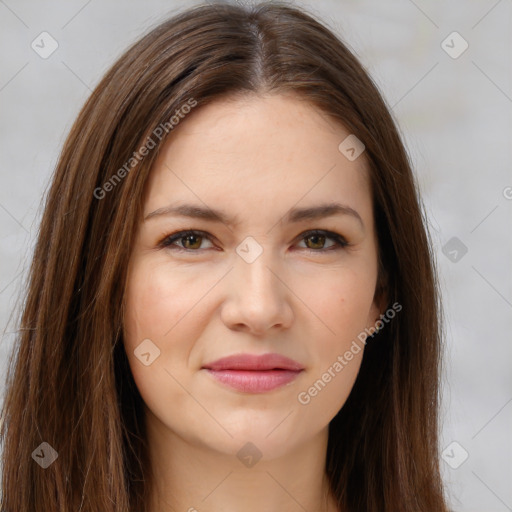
70, 384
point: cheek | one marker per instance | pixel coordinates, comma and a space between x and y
156, 301
167, 306
343, 304
342, 301
354, 299
154, 311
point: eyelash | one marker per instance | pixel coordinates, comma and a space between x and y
168, 241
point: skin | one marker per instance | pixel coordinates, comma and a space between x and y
254, 157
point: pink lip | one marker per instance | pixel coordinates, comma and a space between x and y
254, 374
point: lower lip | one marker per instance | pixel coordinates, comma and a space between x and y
251, 381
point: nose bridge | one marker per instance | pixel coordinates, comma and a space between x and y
257, 297
253, 269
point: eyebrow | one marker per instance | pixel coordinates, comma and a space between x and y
293, 216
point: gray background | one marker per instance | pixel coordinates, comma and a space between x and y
456, 118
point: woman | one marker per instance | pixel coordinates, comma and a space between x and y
232, 303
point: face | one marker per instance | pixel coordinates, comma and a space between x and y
259, 281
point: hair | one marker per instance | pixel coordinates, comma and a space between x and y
70, 384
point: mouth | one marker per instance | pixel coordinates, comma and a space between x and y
254, 374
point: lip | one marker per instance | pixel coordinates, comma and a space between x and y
254, 362
254, 373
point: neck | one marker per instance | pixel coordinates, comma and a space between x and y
190, 476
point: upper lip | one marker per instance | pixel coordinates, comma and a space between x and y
254, 362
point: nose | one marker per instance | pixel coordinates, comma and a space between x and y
258, 299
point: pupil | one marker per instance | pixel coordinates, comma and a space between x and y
188, 237
316, 237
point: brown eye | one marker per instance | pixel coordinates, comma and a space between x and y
192, 241
315, 240
185, 240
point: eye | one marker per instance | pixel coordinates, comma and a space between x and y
190, 240
318, 238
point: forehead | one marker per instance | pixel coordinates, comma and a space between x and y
261, 152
